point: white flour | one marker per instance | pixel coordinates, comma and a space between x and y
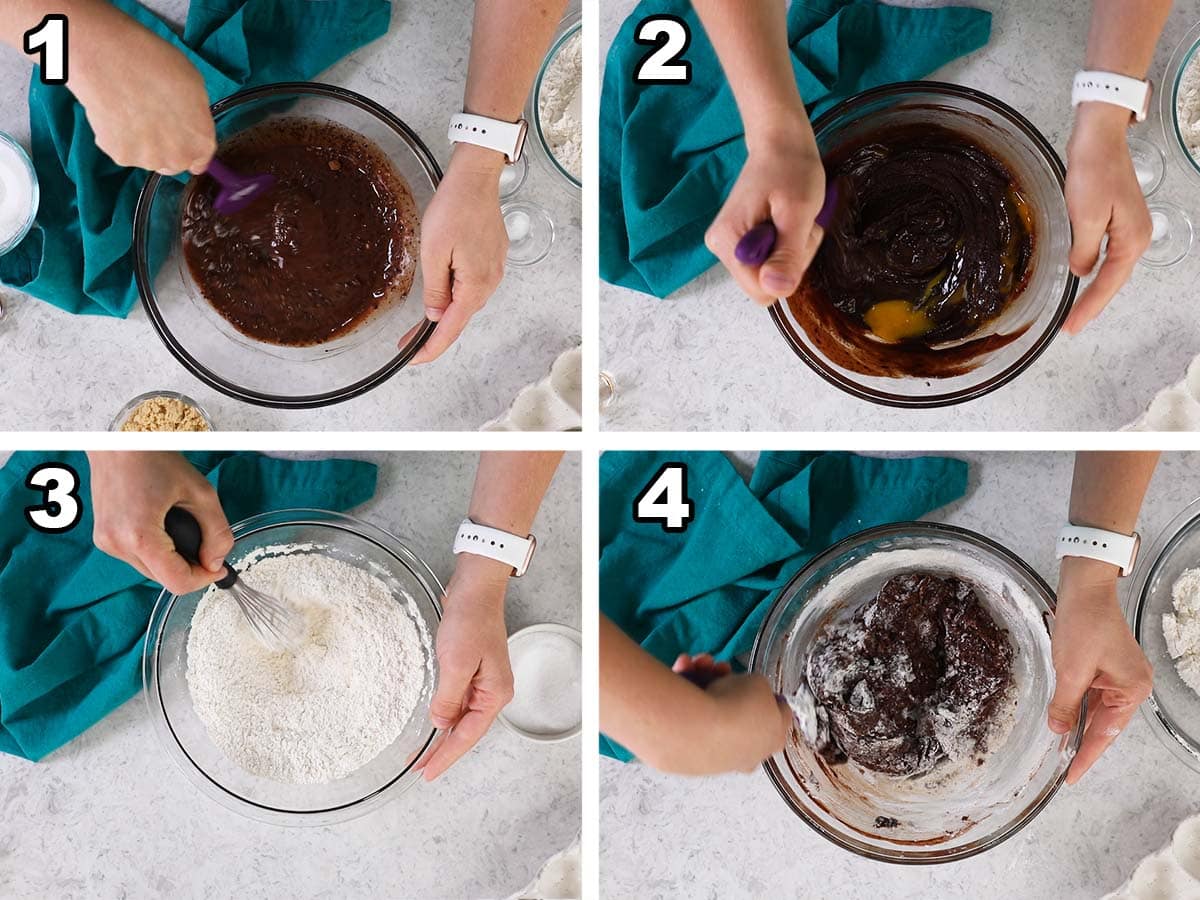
546, 689
1187, 107
1181, 629
332, 706
16, 193
559, 105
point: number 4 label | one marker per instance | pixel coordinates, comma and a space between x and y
49, 40
664, 501
60, 508
662, 65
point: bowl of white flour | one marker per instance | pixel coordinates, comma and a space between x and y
323, 732
1164, 613
1179, 103
555, 105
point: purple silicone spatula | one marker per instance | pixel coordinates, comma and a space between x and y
237, 191
758, 243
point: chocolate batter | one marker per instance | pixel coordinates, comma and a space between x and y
915, 677
311, 260
931, 241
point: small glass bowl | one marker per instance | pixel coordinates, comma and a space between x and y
571, 25
23, 157
1168, 100
978, 808
184, 736
1173, 709
209, 346
1038, 312
535, 633
120, 418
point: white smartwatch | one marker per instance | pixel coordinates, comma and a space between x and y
510, 549
1117, 549
1119, 90
503, 137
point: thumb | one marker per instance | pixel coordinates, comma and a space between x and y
214, 527
781, 274
1085, 244
436, 295
449, 701
1072, 683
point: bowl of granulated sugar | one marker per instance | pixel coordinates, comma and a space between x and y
547, 702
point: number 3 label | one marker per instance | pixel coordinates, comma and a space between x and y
664, 501
49, 40
60, 508
662, 65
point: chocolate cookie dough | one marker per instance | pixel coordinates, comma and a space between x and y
316, 256
932, 240
916, 677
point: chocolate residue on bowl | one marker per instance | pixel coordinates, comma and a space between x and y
332, 242
915, 677
931, 241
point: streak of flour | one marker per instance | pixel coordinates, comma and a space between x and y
559, 106
320, 713
1181, 628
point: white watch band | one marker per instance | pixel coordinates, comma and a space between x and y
1108, 87
503, 137
510, 549
1095, 543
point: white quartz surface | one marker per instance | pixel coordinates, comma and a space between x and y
706, 359
63, 372
110, 816
733, 837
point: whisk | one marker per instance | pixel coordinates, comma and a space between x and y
277, 627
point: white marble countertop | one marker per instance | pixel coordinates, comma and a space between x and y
63, 372
110, 816
733, 836
707, 360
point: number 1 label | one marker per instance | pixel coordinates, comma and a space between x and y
48, 39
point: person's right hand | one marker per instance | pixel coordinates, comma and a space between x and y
784, 181
748, 724
131, 493
1095, 654
145, 101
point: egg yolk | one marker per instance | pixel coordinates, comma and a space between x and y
897, 320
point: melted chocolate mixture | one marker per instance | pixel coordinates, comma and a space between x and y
931, 241
313, 258
917, 675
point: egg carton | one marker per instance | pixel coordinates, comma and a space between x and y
552, 404
1173, 873
1175, 408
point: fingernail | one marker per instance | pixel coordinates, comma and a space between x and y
777, 282
1059, 727
440, 721
433, 314
216, 566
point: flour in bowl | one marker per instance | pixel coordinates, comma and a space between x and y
1187, 107
319, 713
1181, 629
559, 105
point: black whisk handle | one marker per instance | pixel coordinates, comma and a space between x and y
183, 529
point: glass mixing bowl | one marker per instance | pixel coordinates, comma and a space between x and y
208, 345
1037, 313
164, 670
970, 809
1168, 101
571, 25
1173, 709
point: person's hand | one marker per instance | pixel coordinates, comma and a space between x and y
748, 723
145, 101
463, 246
784, 181
131, 493
1095, 654
1103, 197
475, 680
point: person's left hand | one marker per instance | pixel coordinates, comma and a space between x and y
1103, 197
475, 680
463, 246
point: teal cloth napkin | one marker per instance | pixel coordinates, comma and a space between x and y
74, 619
708, 589
670, 154
79, 255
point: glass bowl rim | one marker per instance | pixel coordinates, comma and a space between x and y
145, 279
962, 395
170, 741
571, 24
123, 414
1160, 723
907, 857
1178, 62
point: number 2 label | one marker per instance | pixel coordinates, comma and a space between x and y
49, 40
662, 65
664, 501
60, 508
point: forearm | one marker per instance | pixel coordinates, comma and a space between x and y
92, 22
658, 716
1122, 39
1107, 492
751, 41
